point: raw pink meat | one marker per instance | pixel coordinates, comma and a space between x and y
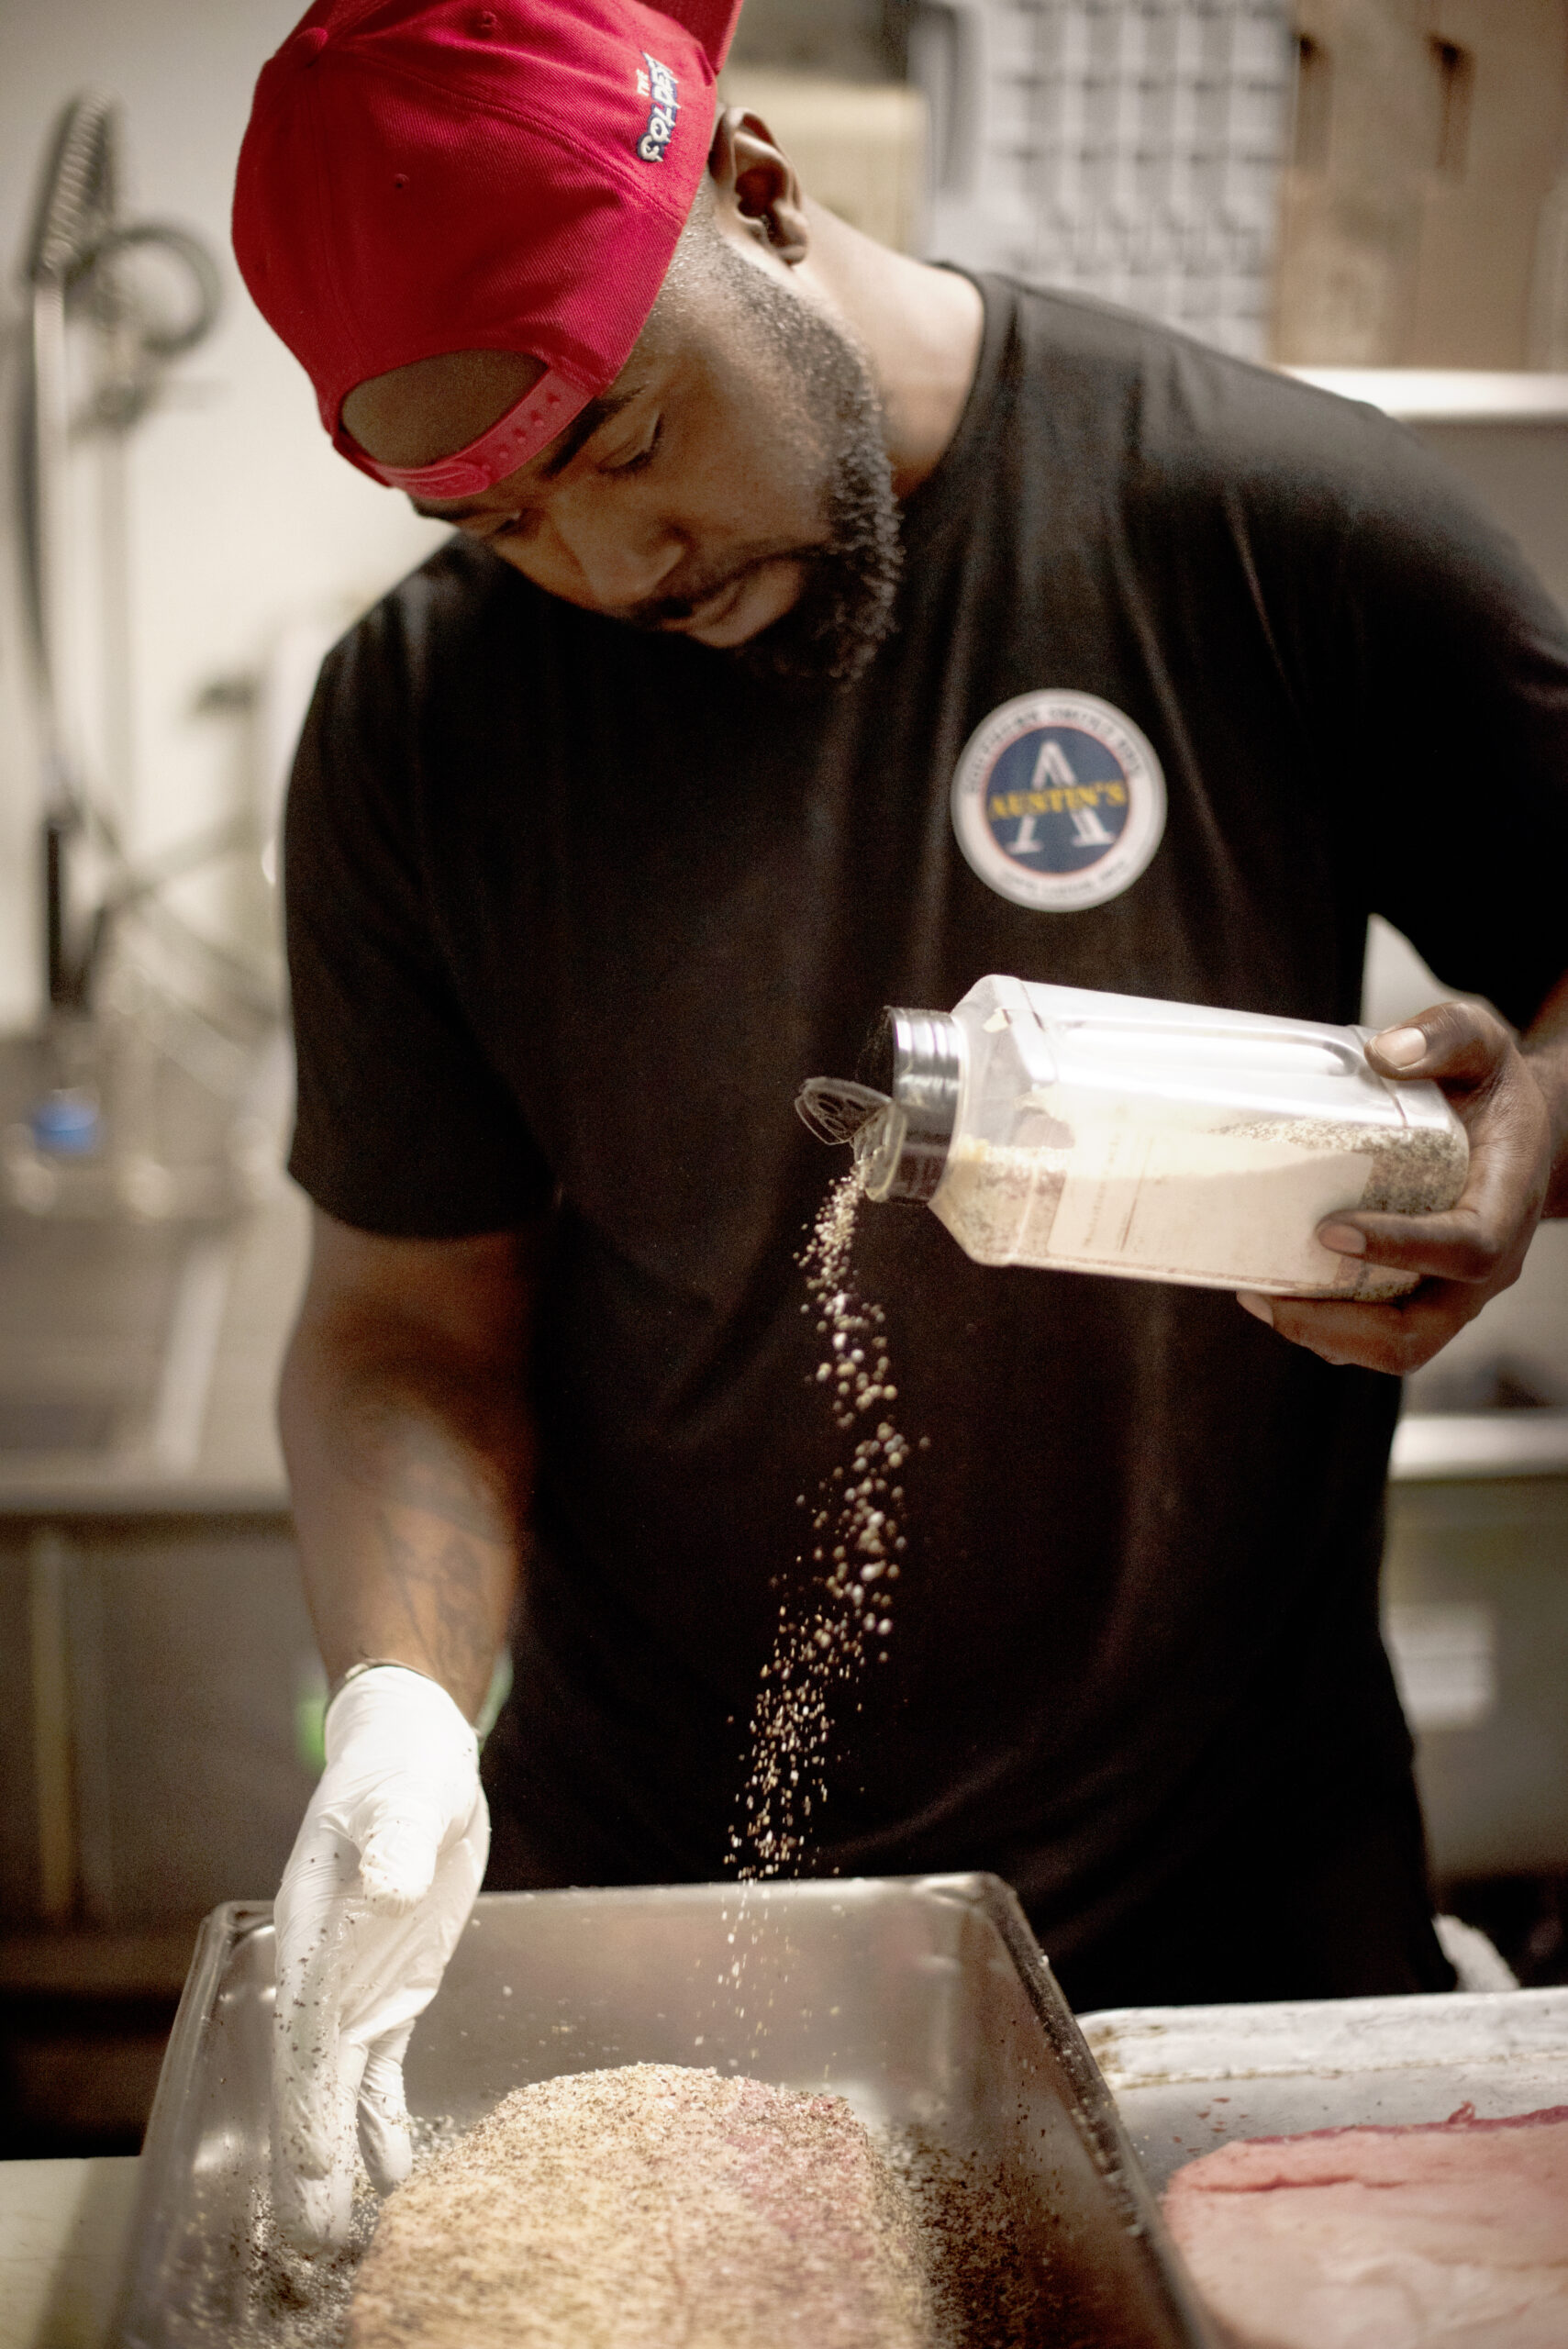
1452, 2235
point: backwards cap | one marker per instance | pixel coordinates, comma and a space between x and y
425, 176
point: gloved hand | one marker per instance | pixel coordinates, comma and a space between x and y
378, 1887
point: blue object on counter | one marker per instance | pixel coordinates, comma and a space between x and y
66, 1124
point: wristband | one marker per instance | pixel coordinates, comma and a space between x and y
378, 1663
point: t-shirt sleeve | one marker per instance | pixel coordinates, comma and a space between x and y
402, 1126
1454, 763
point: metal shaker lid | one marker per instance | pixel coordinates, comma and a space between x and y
915, 1059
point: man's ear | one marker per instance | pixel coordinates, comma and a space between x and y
755, 185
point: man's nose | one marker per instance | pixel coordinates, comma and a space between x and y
621, 558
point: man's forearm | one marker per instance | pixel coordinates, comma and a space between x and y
1545, 1047
408, 1466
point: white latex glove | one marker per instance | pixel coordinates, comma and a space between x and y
378, 1887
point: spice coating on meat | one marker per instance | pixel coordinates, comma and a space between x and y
650, 2207
1450, 2233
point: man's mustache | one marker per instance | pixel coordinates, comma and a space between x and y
662, 611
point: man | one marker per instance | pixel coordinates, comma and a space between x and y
626, 813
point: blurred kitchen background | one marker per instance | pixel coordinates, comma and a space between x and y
1373, 191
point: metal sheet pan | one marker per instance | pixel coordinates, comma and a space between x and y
925, 2002
1188, 2078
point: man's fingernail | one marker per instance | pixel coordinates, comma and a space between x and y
1403, 1046
1343, 1238
1255, 1304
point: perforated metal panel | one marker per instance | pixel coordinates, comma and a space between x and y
1126, 148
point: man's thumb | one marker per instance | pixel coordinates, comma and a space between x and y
385, 2139
313, 2148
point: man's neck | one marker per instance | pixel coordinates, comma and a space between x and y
920, 327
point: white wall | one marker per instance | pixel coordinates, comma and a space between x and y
244, 521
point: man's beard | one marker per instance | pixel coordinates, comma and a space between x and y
832, 417
845, 610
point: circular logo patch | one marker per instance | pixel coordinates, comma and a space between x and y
1058, 801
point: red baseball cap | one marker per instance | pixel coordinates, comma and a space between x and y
425, 176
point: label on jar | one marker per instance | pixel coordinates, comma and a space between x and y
1209, 1206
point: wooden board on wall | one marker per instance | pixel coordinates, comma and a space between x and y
1420, 215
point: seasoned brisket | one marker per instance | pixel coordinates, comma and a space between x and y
648, 2208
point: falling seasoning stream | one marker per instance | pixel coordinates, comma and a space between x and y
838, 1613
831, 1624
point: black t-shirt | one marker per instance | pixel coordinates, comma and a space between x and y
573, 910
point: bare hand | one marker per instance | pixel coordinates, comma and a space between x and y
1471, 1250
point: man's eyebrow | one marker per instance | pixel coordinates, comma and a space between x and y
566, 446
582, 428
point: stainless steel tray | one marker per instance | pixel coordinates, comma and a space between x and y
925, 2002
1187, 2078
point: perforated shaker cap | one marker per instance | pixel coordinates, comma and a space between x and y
916, 1058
